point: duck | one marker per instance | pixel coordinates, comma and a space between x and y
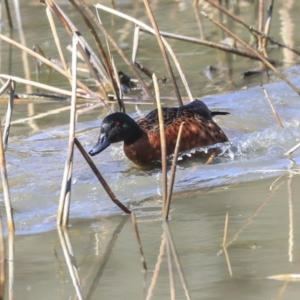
142, 138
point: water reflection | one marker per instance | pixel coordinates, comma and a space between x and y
253, 183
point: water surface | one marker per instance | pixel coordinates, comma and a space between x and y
253, 181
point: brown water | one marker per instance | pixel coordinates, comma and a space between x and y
253, 181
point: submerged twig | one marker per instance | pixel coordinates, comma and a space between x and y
100, 177
291, 218
134, 222
283, 77
176, 259
171, 270
224, 245
157, 267
173, 173
70, 260
272, 107
105, 257
11, 264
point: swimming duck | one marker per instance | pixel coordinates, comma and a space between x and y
142, 139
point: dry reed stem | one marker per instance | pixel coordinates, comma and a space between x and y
22, 38
105, 258
5, 186
171, 270
285, 277
36, 84
5, 87
100, 177
149, 29
135, 226
8, 14
173, 173
157, 268
85, 51
264, 41
162, 143
198, 18
102, 53
119, 50
250, 28
65, 193
283, 77
47, 62
260, 21
176, 259
9, 111
272, 107
56, 39
45, 114
119, 88
163, 51
292, 150
70, 260
291, 218
2, 260
135, 44
219, 46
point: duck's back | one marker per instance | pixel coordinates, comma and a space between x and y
199, 130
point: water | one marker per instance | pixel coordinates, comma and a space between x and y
253, 181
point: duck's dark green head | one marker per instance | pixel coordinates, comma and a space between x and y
115, 128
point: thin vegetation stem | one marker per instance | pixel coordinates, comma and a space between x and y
163, 144
272, 107
163, 51
119, 50
100, 177
136, 229
65, 194
250, 28
5, 186
173, 173
10, 106
149, 29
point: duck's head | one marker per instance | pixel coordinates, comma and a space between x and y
115, 128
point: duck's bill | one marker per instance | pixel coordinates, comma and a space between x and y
102, 144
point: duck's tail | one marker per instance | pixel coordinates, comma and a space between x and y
215, 113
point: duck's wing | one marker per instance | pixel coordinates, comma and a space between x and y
196, 110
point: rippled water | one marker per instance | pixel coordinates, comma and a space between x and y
252, 180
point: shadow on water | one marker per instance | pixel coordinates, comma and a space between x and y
252, 180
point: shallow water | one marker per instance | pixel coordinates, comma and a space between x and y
253, 181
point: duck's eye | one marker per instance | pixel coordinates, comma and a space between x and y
117, 123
